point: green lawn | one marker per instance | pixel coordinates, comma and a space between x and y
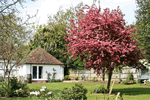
130, 92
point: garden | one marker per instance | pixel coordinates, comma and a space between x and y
86, 90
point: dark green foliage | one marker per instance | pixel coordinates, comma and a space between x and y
143, 26
94, 79
16, 88
130, 76
2, 93
50, 37
76, 77
147, 82
67, 77
130, 79
51, 81
100, 89
120, 80
75, 92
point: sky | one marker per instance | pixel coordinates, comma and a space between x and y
50, 7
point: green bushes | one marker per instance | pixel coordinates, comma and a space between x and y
100, 89
16, 88
2, 93
130, 79
74, 92
76, 77
67, 77
94, 79
130, 76
54, 80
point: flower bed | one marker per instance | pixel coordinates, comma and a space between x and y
42, 93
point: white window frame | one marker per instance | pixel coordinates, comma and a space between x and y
37, 72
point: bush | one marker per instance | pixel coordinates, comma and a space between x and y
43, 93
53, 80
16, 88
129, 82
147, 82
130, 76
74, 92
67, 77
130, 79
100, 89
76, 77
2, 93
94, 79
120, 81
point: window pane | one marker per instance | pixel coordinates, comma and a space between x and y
40, 72
34, 72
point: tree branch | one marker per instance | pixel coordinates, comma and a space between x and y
9, 6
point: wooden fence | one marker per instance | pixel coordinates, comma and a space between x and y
89, 74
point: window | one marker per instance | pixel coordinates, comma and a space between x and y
40, 72
37, 72
34, 72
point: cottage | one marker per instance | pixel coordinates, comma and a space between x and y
36, 64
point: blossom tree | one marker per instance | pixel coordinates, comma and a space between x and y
102, 40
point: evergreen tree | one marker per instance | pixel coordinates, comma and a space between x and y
143, 26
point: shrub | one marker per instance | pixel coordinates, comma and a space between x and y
48, 75
94, 79
128, 82
2, 93
74, 92
100, 89
42, 93
147, 82
16, 88
67, 77
54, 74
130, 79
76, 77
120, 80
130, 76
58, 80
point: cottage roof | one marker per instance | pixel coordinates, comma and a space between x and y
40, 56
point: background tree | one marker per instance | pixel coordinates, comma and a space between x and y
50, 37
102, 40
143, 26
13, 36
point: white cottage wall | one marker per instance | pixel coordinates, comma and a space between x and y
49, 68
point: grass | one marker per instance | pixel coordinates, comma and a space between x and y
130, 92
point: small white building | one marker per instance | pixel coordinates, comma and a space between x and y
36, 64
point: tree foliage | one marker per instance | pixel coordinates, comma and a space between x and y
13, 36
143, 26
102, 40
50, 37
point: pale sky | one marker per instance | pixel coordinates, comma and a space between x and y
47, 7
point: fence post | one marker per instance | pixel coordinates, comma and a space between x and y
90, 74
78, 72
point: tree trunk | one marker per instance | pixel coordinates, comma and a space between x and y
3, 80
109, 79
103, 74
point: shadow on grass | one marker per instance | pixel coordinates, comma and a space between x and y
133, 91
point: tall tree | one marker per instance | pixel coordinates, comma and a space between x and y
102, 40
50, 37
143, 26
13, 36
